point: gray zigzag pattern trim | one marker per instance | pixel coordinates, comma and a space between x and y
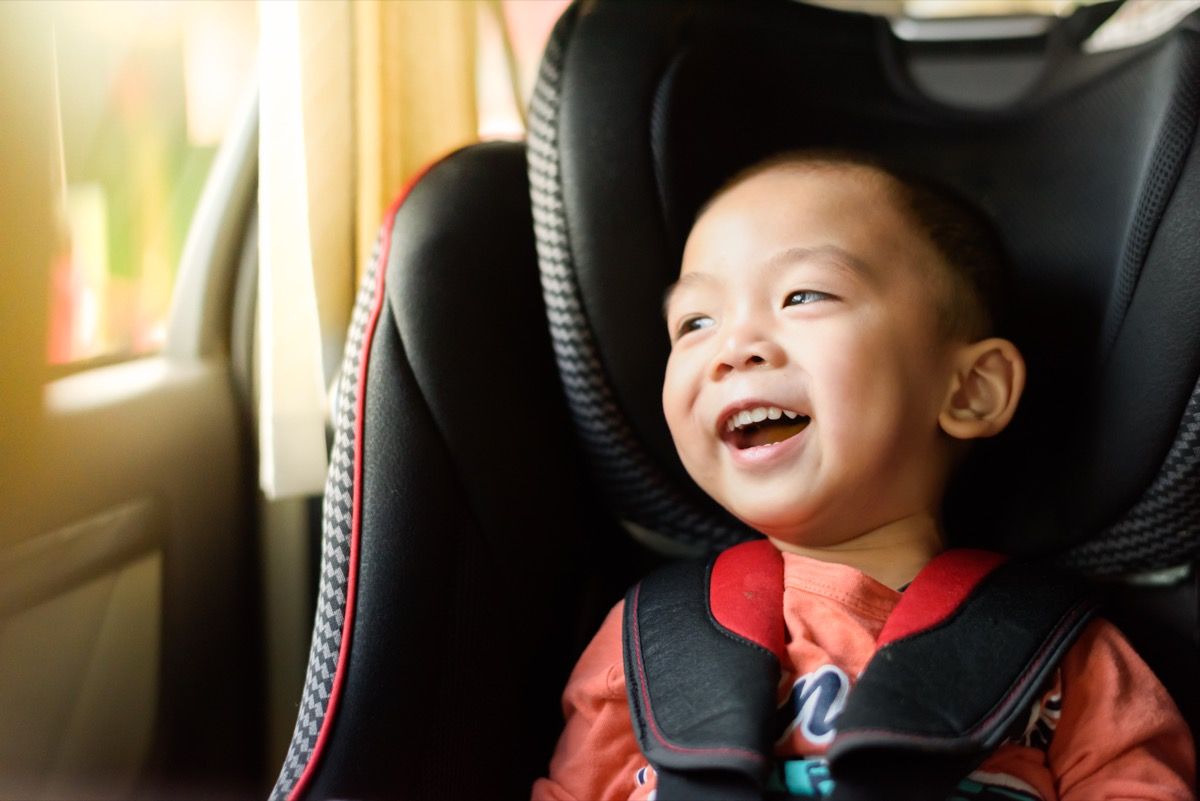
337, 517
638, 490
1163, 529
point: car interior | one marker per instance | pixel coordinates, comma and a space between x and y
467, 559
499, 470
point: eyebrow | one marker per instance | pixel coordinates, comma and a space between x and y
684, 281
828, 253
831, 254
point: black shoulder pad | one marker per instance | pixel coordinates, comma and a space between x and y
701, 696
933, 703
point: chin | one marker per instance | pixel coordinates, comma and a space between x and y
785, 522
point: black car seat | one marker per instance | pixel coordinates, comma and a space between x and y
495, 486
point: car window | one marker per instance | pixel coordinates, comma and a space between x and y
146, 92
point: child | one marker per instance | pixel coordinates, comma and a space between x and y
832, 355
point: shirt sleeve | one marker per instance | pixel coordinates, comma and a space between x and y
1120, 735
597, 756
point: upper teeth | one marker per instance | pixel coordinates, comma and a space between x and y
757, 415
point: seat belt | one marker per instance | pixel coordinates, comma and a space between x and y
703, 641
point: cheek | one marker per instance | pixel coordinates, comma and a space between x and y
671, 392
871, 393
853, 371
682, 403
678, 398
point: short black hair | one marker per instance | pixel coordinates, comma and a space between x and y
973, 305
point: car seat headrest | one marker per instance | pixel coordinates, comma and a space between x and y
642, 110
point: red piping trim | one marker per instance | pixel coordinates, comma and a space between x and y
335, 692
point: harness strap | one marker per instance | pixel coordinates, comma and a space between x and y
961, 659
696, 687
935, 702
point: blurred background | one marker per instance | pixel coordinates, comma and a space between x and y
191, 193
148, 90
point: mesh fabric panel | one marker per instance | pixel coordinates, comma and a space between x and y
1167, 161
1163, 527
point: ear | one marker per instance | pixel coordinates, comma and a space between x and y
988, 379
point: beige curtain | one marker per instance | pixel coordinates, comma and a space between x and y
356, 97
414, 93
327, 92
387, 86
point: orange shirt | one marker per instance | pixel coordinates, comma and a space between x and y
1113, 731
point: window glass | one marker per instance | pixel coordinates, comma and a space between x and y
146, 93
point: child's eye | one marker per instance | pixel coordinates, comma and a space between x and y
693, 323
805, 296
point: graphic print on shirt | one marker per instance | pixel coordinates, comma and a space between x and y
1043, 718
813, 705
809, 779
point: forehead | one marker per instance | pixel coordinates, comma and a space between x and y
851, 209
799, 177
844, 204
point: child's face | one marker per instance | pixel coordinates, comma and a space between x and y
809, 295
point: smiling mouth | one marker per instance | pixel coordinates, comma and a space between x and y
764, 425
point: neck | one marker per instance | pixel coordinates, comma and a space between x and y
892, 554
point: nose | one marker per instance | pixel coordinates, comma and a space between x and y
747, 347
